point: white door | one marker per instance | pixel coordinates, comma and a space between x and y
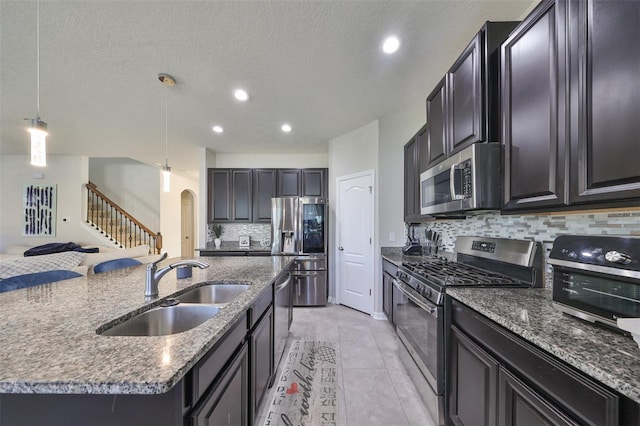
354, 214
187, 228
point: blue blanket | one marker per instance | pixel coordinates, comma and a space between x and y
58, 248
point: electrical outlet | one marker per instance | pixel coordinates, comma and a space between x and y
392, 236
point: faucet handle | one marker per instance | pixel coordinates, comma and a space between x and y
155, 264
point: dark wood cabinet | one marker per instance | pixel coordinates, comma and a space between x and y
494, 374
534, 111
605, 97
411, 180
473, 382
264, 188
436, 120
571, 106
288, 183
465, 93
227, 402
313, 182
241, 195
261, 359
388, 274
520, 404
244, 195
218, 195
229, 195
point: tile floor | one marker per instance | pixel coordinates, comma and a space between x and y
373, 386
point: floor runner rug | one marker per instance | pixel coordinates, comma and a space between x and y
305, 394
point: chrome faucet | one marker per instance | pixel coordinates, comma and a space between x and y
154, 274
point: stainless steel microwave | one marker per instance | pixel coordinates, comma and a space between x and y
468, 180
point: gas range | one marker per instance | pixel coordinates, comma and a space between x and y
481, 262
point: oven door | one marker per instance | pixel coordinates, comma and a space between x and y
420, 326
596, 297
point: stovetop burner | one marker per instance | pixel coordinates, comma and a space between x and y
446, 273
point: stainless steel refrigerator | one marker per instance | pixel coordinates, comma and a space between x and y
299, 227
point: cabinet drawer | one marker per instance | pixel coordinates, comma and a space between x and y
310, 264
389, 268
260, 306
581, 397
208, 368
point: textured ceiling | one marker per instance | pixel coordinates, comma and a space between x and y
314, 64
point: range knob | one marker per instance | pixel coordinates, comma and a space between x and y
426, 292
617, 257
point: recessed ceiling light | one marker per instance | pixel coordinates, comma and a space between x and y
241, 95
286, 128
390, 45
218, 129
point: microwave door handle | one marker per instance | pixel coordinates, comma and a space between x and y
452, 182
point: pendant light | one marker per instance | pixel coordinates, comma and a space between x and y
37, 127
169, 81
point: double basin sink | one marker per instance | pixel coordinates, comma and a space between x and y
182, 313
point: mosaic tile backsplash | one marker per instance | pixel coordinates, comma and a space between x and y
543, 227
231, 232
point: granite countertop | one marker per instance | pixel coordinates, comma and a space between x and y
608, 357
49, 340
234, 246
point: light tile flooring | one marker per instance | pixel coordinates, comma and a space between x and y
373, 386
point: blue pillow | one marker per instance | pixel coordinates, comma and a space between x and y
36, 278
110, 265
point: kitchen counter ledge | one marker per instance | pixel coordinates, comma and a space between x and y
49, 340
609, 357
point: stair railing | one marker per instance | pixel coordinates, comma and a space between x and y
121, 227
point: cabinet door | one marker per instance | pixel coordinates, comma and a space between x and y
423, 154
387, 294
605, 88
227, 403
533, 111
219, 193
465, 97
518, 404
436, 119
288, 183
411, 180
473, 383
241, 195
264, 188
313, 182
261, 359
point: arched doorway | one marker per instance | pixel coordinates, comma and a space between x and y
187, 220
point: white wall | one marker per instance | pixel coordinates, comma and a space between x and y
130, 184
356, 151
171, 212
68, 173
275, 161
395, 132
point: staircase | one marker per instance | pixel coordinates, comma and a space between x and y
116, 224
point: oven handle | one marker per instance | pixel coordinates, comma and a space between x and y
427, 306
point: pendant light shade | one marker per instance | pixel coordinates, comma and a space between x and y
38, 128
166, 178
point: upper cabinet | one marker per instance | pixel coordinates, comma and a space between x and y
534, 111
605, 100
464, 108
571, 106
415, 161
244, 195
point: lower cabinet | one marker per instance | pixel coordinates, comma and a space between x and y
473, 383
388, 273
227, 401
261, 342
495, 377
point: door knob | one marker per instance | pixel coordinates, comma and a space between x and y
340, 248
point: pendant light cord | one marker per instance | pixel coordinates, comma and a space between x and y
38, 59
166, 130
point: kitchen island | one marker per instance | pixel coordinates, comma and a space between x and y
50, 345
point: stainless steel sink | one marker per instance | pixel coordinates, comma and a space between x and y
213, 293
163, 321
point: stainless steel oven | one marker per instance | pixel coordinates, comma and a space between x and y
597, 278
420, 328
